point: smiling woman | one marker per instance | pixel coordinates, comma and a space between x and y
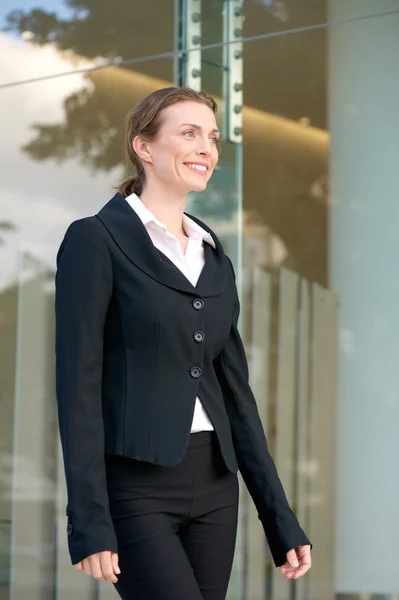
147, 288
173, 147
161, 138
155, 409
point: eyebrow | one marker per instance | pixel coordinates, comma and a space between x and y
197, 127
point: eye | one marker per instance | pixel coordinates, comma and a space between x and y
215, 140
189, 133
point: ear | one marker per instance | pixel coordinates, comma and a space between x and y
141, 148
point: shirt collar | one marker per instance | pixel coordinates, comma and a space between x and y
191, 227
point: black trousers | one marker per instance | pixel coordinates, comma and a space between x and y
176, 526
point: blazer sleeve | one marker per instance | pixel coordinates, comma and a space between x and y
83, 291
255, 463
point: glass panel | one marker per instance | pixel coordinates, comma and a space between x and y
311, 205
87, 32
362, 243
272, 16
285, 158
299, 95
61, 152
286, 153
264, 17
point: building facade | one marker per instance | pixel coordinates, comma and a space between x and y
306, 202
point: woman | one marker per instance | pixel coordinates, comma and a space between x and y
155, 410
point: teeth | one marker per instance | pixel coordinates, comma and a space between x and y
198, 167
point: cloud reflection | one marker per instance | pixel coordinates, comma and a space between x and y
39, 199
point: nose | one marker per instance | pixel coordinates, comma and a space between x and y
204, 147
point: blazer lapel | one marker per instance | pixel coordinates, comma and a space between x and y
130, 234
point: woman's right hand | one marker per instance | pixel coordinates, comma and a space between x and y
102, 566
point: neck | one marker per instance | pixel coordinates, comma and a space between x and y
166, 205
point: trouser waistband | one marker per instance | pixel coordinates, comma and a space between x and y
202, 439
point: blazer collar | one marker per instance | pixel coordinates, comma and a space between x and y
130, 234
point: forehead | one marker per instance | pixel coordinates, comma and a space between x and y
189, 112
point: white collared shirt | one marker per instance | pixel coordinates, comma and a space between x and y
190, 264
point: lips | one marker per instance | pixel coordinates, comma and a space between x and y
199, 168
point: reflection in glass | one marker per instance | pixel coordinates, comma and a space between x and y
95, 32
60, 153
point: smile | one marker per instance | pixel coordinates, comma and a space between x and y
199, 169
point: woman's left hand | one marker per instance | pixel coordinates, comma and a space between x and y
298, 562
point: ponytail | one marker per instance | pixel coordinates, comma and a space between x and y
131, 185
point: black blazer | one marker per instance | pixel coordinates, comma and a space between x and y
135, 343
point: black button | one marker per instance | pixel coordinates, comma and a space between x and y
195, 372
199, 336
69, 529
198, 304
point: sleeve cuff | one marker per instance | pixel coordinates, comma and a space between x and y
283, 533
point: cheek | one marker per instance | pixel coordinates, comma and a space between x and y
215, 158
169, 158
164, 164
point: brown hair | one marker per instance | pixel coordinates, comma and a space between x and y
144, 119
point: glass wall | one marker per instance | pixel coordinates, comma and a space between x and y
305, 202
61, 151
320, 192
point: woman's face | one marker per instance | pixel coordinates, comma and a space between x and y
184, 153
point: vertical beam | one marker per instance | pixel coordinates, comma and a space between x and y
176, 42
323, 383
32, 551
302, 424
259, 378
239, 579
233, 60
190, 44
285, 429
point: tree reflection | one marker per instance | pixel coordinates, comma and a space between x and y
92, 129
93, 125
278, 177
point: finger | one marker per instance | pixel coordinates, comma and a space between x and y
86, 566
107, 567
286, 568
302, 570
303, 553
305, 560
290, 575
292, 558
115, 563
290, 572
95, 566
304, 567
79, 566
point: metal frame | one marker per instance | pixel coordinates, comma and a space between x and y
190, 44
187, 66
233, 59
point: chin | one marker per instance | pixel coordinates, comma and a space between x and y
200, 187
